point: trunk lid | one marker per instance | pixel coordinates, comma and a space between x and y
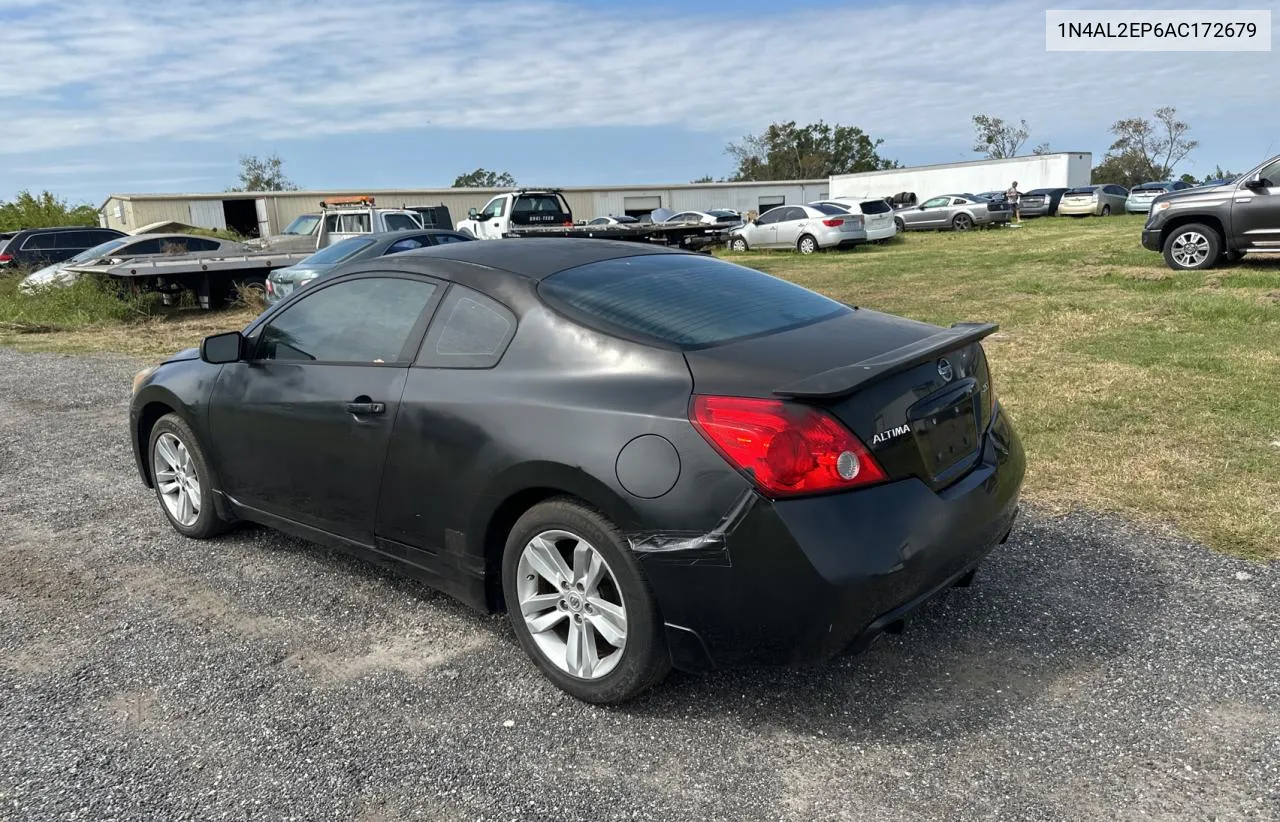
918, 396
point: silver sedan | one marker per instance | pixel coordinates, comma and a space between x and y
805, 228
959, 212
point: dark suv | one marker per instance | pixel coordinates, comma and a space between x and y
1197, 228
37, 247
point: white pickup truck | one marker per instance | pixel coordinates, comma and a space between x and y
339, 218
516, 210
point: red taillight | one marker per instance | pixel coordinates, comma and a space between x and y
6, 258
786, 448
567, 222
832, 222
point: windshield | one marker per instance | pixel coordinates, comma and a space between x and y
100, 250
339, 251
303, 225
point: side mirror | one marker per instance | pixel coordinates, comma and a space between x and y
222, 348
471, 212
921, 206
1254, 182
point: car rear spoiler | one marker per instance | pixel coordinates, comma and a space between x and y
848, 378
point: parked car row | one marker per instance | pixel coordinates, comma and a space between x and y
126, 247
34, 247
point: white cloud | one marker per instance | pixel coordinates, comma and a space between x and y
77, 75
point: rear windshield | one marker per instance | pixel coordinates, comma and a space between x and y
539, 203
688, 300
339, 251
1083, 190
1150, 188
875, 207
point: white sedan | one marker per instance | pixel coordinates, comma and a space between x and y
806, 228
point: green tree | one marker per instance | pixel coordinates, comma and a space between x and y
706, 178
483, 178
786, 151
997, 139
29, 210
263, 174
1146, 150
1219, 174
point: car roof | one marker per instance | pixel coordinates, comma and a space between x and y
68, 228
132, 237
531, 258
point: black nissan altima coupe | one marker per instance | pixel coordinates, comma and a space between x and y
649, 458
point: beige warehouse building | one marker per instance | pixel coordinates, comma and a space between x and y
258, 213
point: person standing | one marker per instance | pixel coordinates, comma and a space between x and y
1012, 196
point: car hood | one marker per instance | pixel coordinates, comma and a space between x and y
184, 354
48, 275
1206, 195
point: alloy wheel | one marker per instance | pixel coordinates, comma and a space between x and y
1190, 249
177, 480
572, 604
963, 222
808, 245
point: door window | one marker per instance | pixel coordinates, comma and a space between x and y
72, 239
369, 320
771, 216
791, 214
1270, 175
496, 208
40, 242
937, 202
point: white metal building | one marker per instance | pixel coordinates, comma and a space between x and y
258, 213
1059, 170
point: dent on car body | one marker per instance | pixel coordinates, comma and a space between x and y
691, 547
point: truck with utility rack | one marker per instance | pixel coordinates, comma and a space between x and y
1198, 228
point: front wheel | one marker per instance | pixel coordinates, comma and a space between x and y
738, 244
962, 222
181, 479
1192, 247
807, 245
580, 604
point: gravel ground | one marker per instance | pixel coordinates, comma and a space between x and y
1094, 671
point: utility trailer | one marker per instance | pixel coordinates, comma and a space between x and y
546, 213
215, 280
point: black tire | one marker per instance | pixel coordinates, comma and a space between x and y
1192, 247
739, 244
645, 659
900, 224
962, 222
207, 524
1106, 211
807, 244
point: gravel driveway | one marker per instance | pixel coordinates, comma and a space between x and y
1094, 671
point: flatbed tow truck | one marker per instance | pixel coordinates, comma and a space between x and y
544, 212
218, 279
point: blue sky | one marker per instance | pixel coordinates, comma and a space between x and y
164, 96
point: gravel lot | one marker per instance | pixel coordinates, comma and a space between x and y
1095, 671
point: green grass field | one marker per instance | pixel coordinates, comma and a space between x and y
1135, 389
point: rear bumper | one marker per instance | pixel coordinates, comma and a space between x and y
1138, 208
882, 233
840, 239
1039, 210
806, 579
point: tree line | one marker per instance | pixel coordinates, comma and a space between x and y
1143, 149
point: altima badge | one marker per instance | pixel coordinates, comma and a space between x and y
945, 370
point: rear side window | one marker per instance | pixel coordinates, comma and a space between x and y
828, 209
687, 300
470, 330
875, 207
40, 242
